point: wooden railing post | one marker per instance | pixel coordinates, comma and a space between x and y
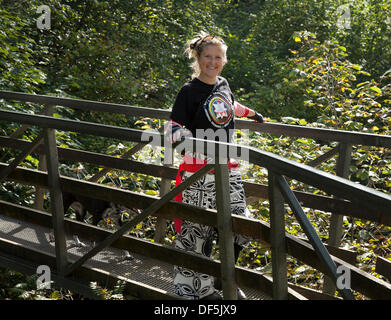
165, 186
56, 202
161, 223
336, 221
278, 246
42, 166
224, 224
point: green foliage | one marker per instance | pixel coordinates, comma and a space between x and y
18, 68
330, 86
16, 286
106, 294
118, 51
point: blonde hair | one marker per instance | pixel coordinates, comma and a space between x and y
195, 46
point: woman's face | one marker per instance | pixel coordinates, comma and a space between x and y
211, 63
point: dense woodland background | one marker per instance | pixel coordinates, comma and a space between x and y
313, 63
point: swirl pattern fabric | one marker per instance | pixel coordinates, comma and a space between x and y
198, 238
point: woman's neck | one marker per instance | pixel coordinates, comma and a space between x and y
207, 80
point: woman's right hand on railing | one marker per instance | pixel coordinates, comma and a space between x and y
175, 132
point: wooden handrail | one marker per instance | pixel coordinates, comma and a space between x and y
86, 105
271, 128
331, 184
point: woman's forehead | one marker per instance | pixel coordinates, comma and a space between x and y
214, 49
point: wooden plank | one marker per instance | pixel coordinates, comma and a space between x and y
126, 155
343, 163
383, 267
250, 227
253, 190
277, 240
40, 192
323, 203
93, 233
46, 110
80, 126
161, 223
258, 230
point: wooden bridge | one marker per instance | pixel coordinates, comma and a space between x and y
25, 232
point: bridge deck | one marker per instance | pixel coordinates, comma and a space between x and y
142, 269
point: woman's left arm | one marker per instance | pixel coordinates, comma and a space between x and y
243, 111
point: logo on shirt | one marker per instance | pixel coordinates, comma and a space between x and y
218, 110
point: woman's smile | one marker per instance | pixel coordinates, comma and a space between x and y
211, 62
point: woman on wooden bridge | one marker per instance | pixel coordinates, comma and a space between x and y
205, 108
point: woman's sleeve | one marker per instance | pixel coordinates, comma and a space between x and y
240, 110
179, 112
179, 117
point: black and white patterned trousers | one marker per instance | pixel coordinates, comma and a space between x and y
198, 238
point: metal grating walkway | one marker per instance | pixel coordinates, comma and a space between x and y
142, 269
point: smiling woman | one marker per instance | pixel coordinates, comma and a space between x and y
204, 107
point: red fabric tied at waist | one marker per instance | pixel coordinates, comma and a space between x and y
191, 164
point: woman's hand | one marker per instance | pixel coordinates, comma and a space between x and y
179, 134
257, 117
174, 132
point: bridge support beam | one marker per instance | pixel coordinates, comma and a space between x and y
165, 186
277, 224
39, 192
226, 240
56, 201
335, 229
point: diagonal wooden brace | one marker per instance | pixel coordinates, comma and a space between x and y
148, 211
29, 149
310, 232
